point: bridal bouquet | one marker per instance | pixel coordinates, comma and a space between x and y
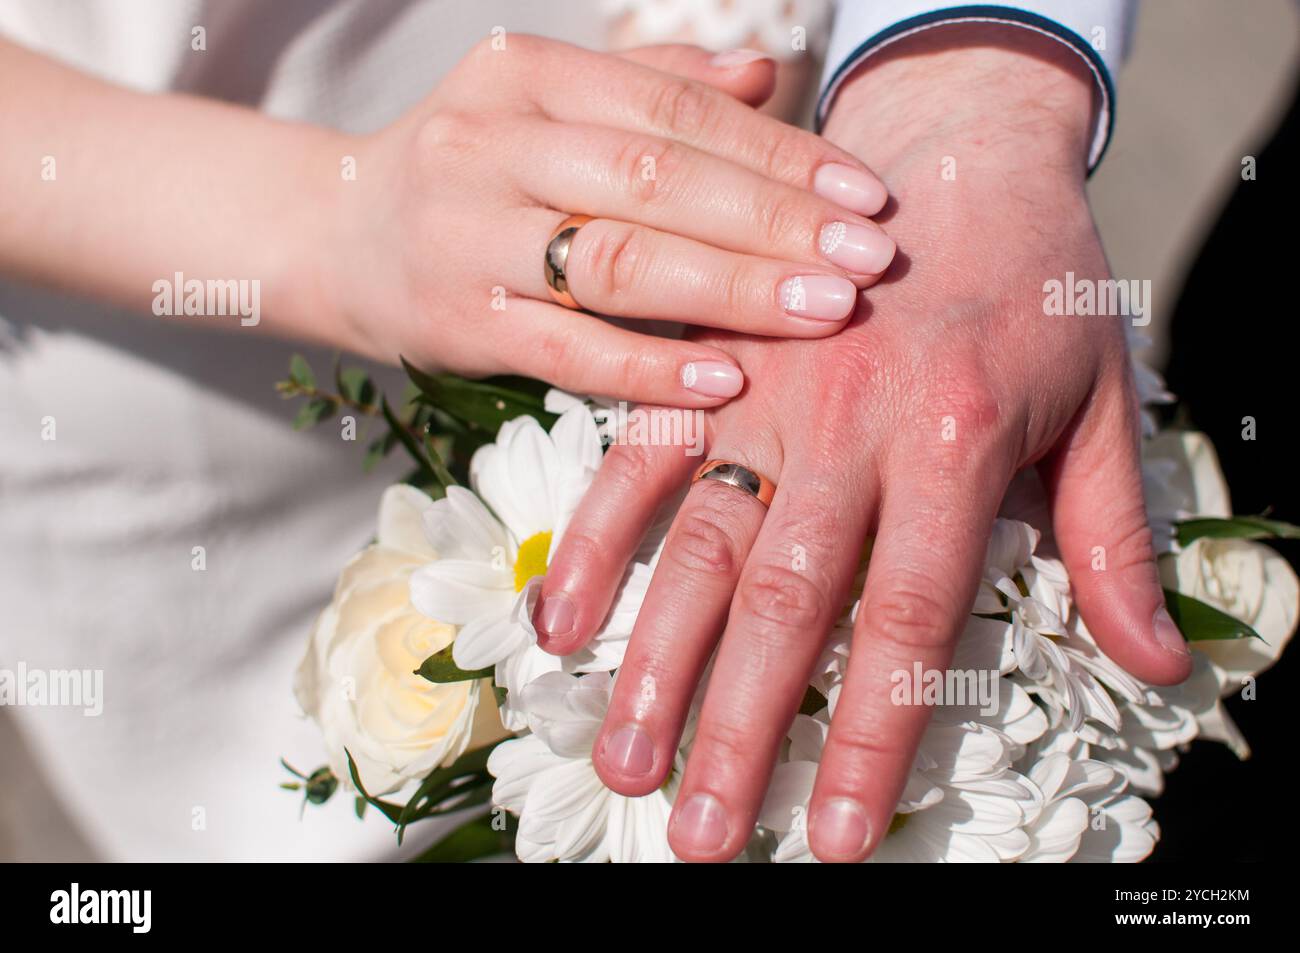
457, 711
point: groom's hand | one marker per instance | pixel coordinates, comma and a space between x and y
907, 426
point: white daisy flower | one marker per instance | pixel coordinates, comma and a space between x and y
962, 802
496, 547
547, 778
1154, 729
1086, 817
603, 410
1055, 657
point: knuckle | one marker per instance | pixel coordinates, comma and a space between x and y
644, 163
735, 294
960, 417
781, 156
703, 544
447, 133
726, 742
848, 366
972, 402
904, 613
863, 743
682, 107
628, 467
580, 548
553, 349
611, 258
1133, 547
633, 370
780, 218
790, 601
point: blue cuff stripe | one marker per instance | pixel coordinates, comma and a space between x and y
980, 11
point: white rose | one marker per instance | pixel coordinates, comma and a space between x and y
1250, 582
1245, 579
357, 679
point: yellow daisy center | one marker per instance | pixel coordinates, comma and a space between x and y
531, 560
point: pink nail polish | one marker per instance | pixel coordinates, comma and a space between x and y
731, 59
1168, 634
840, 829
630, 752
856, 248
701, 823
850, 188
822, 297
555, 616
712, 378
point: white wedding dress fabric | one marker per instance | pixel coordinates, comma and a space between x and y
168, 436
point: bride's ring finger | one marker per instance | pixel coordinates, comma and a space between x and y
630, 271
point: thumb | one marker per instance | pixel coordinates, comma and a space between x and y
1101, 527
748, 75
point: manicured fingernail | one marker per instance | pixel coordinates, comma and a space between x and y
701, 823
1168, 634
850, 188
630, 752
856, 248
712, 378
554, 616
730, 59
822, 297
840, 829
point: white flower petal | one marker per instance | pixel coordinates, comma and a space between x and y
485, 642
460, 591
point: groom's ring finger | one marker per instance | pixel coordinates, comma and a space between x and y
740, 477
682, 616
631, 271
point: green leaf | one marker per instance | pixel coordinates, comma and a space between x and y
312, 413
378, 449
474, 839
355, 385
1200, 622
390, 810
360, 805
321, 785
439, 468
1237, 527
455, 780
300, 371
405, 437
440, 667
486, 404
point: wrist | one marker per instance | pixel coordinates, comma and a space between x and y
991, 96
312, 243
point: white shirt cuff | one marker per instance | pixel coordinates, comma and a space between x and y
1097, 30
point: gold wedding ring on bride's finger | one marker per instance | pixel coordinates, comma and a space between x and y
557, 257
741, 477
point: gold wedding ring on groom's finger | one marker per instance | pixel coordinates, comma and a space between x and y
557, 257
741, 477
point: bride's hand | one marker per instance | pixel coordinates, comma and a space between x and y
907, 426
706, 212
